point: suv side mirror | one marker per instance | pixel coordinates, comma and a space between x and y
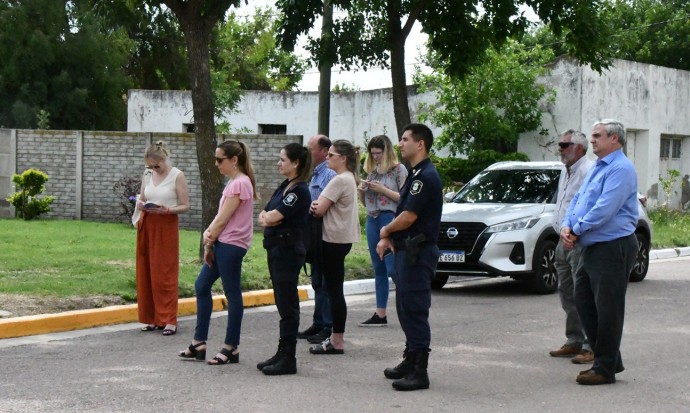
449, 196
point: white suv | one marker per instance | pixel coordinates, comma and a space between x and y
499, 224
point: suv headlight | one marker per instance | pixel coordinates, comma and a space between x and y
524, 223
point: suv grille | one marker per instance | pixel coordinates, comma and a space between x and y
468, 232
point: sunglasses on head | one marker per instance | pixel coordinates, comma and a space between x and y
565, 145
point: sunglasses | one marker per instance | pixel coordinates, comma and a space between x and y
565, 145
153, 167
333, 154
219, 160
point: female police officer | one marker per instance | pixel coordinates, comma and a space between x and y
283, 219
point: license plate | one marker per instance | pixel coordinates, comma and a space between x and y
452, 256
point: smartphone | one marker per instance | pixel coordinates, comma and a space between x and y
150, 205
387, 252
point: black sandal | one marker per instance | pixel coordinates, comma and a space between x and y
232, 358
194, 352
151, 327
170, 331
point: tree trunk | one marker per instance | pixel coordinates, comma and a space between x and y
197, 19
397, 37
204, 126
325, 73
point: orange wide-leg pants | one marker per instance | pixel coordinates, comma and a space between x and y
158, 252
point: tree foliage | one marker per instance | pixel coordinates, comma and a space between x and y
245, 56
497, 100
57, 58
155, 60
647, 31
374, 32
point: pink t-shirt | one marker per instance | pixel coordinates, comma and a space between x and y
240, 228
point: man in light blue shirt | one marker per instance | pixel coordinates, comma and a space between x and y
601, 220
572, 147
322, 320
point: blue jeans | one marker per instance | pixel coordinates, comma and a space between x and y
382, 269
227, 265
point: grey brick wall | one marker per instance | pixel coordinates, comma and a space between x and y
107, 157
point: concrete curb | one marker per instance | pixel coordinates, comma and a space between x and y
80, 319
669, 253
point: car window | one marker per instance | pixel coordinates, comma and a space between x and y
520, 186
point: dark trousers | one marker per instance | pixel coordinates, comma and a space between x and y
334, 273
413, 296
322, 304
284, 265
600, 287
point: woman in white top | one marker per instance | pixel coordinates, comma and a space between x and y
380, 193
164, 194
339, 208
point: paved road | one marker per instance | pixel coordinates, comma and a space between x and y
490, 343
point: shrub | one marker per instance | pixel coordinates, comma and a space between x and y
29, 184
126, 190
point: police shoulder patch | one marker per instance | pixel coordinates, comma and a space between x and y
416, 187
290, 199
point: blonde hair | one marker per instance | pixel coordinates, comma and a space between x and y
388, 158
158, 151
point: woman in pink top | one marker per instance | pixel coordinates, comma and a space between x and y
226, 242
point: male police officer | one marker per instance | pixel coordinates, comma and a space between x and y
412, 236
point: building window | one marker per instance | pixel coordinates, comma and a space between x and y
188, 128
269, 129
670, 148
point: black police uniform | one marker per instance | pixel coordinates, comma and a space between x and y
285, 252
417, 253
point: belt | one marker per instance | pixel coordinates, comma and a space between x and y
399, 244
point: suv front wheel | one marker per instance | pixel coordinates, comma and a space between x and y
641, 265
545, 279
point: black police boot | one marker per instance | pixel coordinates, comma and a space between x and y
286, 363
273, 359
418, 378
399, 371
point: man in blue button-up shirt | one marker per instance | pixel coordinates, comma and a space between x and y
601, 219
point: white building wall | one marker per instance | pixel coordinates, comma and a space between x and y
354, 115
649, 100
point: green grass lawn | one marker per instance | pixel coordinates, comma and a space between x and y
80, 258
671, 228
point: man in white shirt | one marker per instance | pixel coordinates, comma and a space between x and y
572, 147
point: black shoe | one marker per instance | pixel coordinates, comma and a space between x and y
399, 371
320, 336
286, 362
272, 360
309, 332
375, 321
284, 365
417, 379
193, 352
